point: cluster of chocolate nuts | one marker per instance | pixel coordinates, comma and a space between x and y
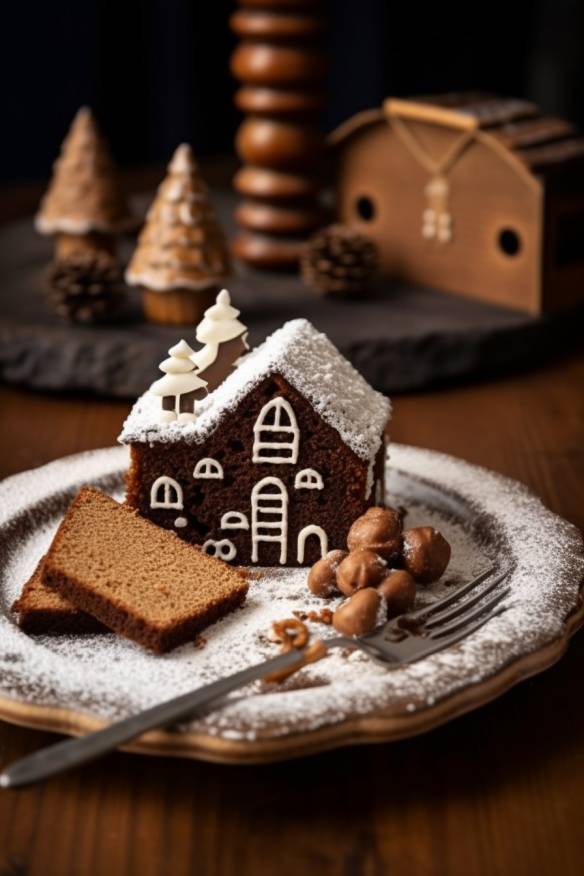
379, 571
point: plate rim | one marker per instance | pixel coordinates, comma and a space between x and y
376, 727
369, 730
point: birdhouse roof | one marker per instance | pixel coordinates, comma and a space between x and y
516, 128
310, 363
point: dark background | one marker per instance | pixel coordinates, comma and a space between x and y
156, 71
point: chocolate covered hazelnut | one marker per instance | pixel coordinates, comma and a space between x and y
322, 578
361, 568
359, 614
378, 530
425, 553
398, 588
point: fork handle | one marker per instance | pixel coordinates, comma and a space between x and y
72, 752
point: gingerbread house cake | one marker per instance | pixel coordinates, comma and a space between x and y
280, 459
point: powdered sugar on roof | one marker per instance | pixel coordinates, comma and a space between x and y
310, 363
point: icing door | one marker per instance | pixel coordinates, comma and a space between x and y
305, 533
269, 516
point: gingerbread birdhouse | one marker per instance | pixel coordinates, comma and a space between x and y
468, 193
280, 460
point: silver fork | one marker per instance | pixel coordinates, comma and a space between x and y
403, 640
438, 625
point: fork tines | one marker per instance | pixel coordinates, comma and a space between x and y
459, 617
440, 643
431, 615
462, 606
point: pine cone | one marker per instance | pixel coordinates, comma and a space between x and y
338, 260
86, 287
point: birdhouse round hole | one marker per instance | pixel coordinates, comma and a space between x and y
365, 208
509, 241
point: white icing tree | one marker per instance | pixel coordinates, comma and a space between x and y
84, 194
182, 245
180, 387
220, 326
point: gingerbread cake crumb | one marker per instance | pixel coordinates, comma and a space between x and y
324, 616
291, 632
301, 615
294, 634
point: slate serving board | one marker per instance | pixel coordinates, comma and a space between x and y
400, 337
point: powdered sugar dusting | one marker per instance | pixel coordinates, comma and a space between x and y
310, 363
482, 515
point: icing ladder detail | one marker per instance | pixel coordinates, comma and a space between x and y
269, 511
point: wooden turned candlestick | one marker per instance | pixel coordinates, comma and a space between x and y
281, 65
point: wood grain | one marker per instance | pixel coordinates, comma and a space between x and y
495, 792
281, 64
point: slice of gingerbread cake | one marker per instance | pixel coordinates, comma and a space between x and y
274, 465
136, 578
42, 610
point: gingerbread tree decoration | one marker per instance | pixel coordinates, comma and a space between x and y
181, 258
225, 340
180, 387
84, 205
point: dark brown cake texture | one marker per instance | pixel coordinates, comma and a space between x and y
42, 610
340, 453
137, 579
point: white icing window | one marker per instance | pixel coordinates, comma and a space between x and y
276, 434
166, 493
208, 468
312, 530
234, 520
308, 479
269, 510
223, 549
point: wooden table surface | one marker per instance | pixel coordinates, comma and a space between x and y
499, 791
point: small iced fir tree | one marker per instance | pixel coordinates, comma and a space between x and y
224, 339
84, 195
181, 246
180, 387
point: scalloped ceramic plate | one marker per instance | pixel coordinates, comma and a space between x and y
75, 684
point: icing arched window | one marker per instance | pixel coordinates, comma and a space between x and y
234, 520
208, 468
276, 433
305, 533
308, 479
166, 493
